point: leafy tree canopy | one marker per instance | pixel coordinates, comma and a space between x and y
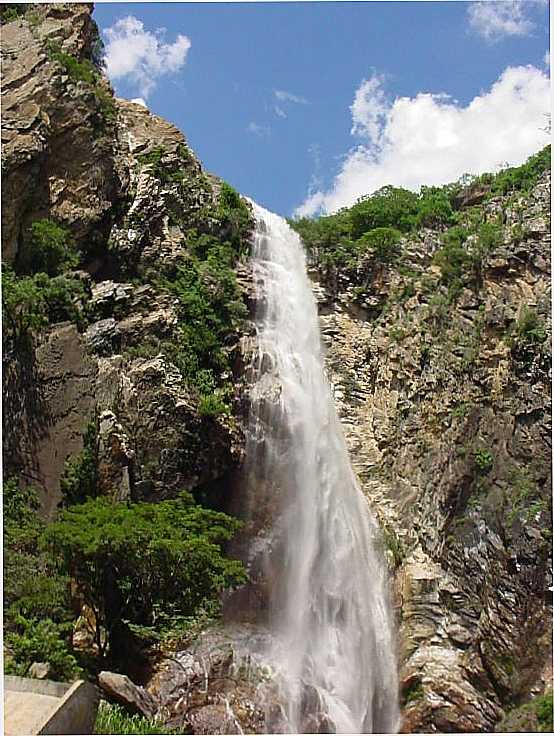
131, 560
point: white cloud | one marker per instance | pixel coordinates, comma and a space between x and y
262, 131
283, 96
547, 59
432, 139
139, 101
142, 56
369, 108
494, 19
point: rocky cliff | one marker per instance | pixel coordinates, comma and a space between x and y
129, 351
446, 408
125, 188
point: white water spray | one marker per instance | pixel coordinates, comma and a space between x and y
329, 610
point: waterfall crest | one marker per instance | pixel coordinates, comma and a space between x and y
328, 602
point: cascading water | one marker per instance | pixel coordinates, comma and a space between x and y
329, 613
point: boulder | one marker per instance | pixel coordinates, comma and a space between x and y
132, 697
102, 336
40, 670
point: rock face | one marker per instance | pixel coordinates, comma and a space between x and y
57, 146
447, 417
129, 189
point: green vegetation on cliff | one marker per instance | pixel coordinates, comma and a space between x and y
37, 612
144, 569
535, 716
37, 291
210, 305
348, 238
135, 563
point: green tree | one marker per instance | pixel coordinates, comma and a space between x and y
388, 207
434, 207
31, 302
50, 249
133, 560
382, 242
37, 613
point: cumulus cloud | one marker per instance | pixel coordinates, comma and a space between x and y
494, 19
432, 139
369, 108
142, 56
262, 131
139, 101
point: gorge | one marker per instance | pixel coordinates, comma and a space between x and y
393, 484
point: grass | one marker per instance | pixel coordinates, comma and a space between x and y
113, 719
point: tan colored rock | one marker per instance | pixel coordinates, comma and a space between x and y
133, 698
50, 400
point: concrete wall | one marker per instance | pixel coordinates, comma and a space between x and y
46, 707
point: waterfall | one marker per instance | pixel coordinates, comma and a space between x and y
327, 582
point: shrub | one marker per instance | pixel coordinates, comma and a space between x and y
483, 460
212, 405
453, 258
80, 477
325, 233
530, 328
489, 236
523, 500
211, 311
522, 177
30, 303
41, 641
329, 239
543, 708
36, 600
382, 241
130, 558
78, 71
532, 717
434, 207
87, 71
106, 103
413, 692
235, 218
168, 172
12, 11
50, 250
388, 207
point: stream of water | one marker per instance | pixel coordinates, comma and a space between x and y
328, 602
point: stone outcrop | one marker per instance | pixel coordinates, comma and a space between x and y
448, 419
129, 189
57, 145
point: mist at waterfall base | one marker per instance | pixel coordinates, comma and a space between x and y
331, 647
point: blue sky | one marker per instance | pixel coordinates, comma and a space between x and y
308, 105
